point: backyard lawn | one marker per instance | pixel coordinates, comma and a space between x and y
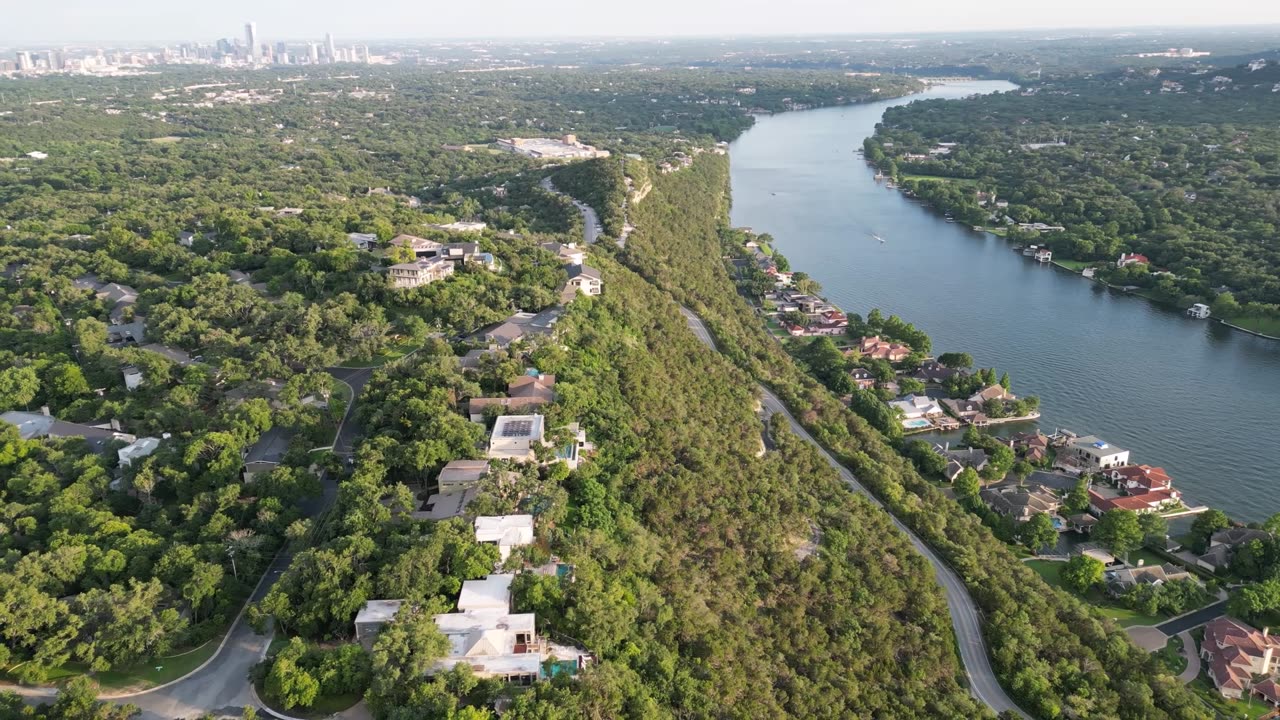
1266, 326
1051, 571
1246, 708
1072, 265
393, 352
940, 178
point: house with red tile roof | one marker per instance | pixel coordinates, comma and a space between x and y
1235, 653
1138, 479
1268, 691
876, 349
1144, 503
1132, 259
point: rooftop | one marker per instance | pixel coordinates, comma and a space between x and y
518, 427
491, 593
378, 611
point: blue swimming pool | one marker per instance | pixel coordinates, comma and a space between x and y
917, 423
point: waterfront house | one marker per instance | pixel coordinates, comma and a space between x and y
876, 349
1199, 311
1132, 259
1235, 653
915, 407
992, 392
1139, 479
1044, 255
966, 411
1144, 503
419, 272
1033, 447
1090, 454
1020, 504
932, 371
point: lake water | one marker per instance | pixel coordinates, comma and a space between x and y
1197, 398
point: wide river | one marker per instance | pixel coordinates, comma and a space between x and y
1199, 399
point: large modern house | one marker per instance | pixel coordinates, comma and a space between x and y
1091, 454
1236, 653
33, 426
505, 531
419, 272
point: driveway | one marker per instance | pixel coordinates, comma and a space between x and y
1193, 619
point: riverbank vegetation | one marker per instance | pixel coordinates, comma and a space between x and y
1174, 165
1039, 639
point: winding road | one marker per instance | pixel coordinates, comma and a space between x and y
220, 687
964, 614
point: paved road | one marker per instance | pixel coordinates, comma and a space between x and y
964, 614
1194, 619
221, 687
1192, 654
590, 221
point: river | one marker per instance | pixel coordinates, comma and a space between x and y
1197, 398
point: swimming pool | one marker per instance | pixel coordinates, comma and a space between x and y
916, 424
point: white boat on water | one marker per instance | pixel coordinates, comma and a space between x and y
877, 237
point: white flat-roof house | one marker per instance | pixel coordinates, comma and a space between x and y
132, 377
419, 273
515, 437
506, 531
484, 634
569, 254
491, 593
1090, 454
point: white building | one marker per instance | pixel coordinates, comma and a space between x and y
420, 272
585, 280
505, 531
372, 617
1090, 454
915, 407
1199, 311
515, 437
462, 473
565, 148
421, 247
491, 593
132, 378
461, 227
137, 450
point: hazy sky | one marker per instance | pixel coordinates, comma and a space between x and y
34, 21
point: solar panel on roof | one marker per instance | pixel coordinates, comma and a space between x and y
517, 428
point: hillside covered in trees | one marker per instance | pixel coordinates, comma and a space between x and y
1054, 655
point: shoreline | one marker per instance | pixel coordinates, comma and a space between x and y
989, 231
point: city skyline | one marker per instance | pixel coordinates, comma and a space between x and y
144, 22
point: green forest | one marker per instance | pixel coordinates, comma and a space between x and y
1051, 651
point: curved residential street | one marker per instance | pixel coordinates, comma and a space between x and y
221, 685
964, 614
